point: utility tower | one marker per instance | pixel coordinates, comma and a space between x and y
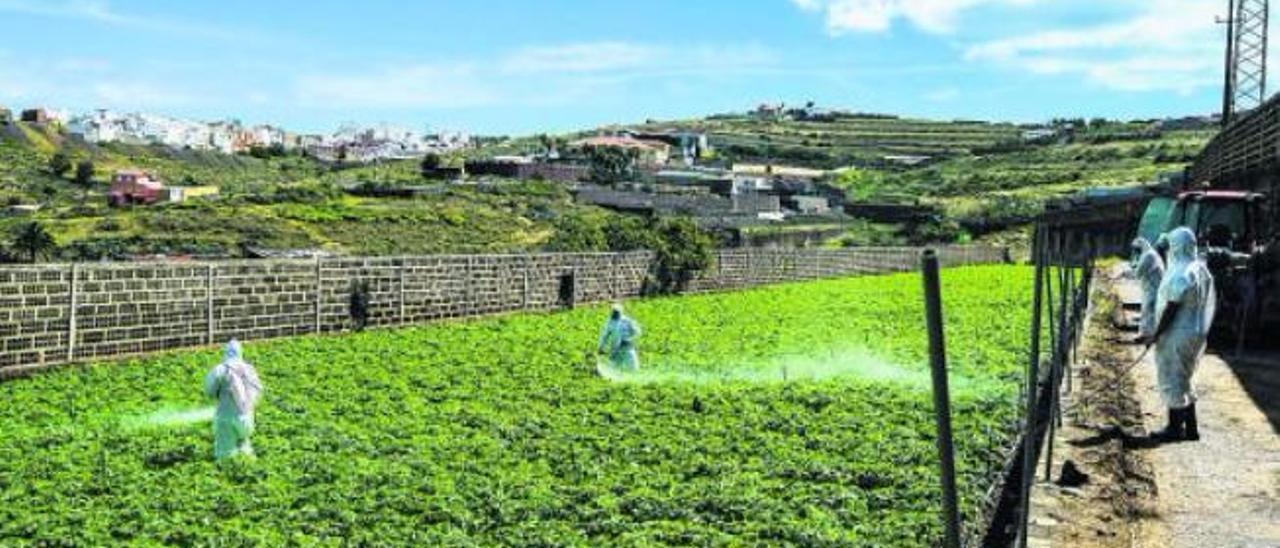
1246, 69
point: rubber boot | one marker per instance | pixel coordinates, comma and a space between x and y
1191, 427
1173, 429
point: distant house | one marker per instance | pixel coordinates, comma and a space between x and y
648, 152
179, 194
776, 171
770, 111
1036, 135
693, 145
706, 178
909, 160
808, 205
35, 116
132, 186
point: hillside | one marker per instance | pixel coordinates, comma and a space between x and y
843, 140
287, 202
982, 179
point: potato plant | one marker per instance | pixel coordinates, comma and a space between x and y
497, 431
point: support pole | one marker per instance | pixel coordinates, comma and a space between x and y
319, 287
1033, 375
400, 287
208, 304
71, 313
524, 302
941, 396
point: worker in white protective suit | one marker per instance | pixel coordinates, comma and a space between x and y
1148, 269
1185, 308
235, 384
617, 340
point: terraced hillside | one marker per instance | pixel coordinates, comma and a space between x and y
845, 140
287, 202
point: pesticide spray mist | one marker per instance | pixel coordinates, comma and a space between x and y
843, 364
169, 418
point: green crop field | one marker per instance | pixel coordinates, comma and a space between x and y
790, 414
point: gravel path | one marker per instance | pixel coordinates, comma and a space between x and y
1223, 491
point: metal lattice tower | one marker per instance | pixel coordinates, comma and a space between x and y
1246, 77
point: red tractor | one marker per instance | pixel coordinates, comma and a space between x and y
1238, 240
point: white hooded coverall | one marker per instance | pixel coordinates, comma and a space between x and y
1188, 283
1148, 268
235, 384
618, 339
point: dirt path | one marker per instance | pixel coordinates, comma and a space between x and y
1100, 414
1225, 489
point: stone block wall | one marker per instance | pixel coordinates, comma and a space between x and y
53, 314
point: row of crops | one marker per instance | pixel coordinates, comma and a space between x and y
789, 414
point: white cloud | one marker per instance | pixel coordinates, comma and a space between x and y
101, 12
936, 16
1169, 45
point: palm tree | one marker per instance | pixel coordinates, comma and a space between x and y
33, 239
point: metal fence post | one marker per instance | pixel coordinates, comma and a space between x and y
1033, 374
941, 396
71, 313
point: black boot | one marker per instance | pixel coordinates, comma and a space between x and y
1191, 428
1172, 430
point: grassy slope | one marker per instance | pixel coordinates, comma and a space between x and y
985, 192
496, 431
276, 203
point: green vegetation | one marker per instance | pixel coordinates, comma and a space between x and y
791, 414
270, 201
981, 182
842, 141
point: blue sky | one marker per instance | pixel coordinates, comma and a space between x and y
523, 66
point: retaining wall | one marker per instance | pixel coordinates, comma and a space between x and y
60, 313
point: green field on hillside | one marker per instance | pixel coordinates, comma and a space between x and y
985, 182
793, 414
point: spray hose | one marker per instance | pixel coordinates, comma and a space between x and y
1124, 372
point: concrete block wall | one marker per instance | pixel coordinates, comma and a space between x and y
52, 314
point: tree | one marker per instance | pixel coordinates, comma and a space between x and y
683, 251
33, 240
59, 164
84, 178
577, 233
430, 164
610, 165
